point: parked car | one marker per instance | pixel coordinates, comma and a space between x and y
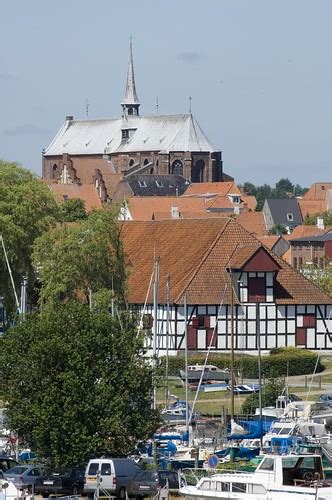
67, 481
147, 482
6, 462
113, 474
325, 398
25, 476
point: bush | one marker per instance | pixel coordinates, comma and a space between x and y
279, 362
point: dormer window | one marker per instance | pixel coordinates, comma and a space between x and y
290, 217
159, 184
142, 184
125, 134
235, 198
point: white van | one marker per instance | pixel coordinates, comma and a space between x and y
112, 475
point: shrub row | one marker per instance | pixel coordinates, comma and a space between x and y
279, 362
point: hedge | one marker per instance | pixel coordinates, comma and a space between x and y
293, 360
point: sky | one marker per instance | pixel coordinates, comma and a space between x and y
258, 72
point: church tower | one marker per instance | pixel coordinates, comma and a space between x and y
130, 103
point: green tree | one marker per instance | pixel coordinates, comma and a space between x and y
321, 277
27, 210
76, 258
76, 384
278, 229
312, 220
73, 210
271, 390
283, 189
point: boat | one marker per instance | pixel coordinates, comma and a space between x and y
246, 388
284, 435
290, 477
210, 373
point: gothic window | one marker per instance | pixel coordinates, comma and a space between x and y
157, 163
151, 171
177, 167
146, 161
131, 163
197, 171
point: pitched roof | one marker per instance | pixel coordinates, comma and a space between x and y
269, 241
144, 208
312, 207
253, 222
150, 133
306, 230
87, 193
211, 189
195, 254
86, 170
156, 185
317, 191
279, 209
318, 238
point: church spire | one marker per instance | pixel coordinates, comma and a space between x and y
130, 103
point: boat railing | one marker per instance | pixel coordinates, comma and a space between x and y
191, 476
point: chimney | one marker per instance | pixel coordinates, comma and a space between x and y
320, 223
175, 214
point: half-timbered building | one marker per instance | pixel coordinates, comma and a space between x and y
232, 281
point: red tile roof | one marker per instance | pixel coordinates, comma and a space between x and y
312, 207
317, 191
253, 222
145, 208
195, 254
86, 193
269, 241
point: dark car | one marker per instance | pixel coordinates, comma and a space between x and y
147, 482
7, 462
325, 398
64, 481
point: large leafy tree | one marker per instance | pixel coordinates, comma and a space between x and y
74, 260
27, 209
76, 383
282, 189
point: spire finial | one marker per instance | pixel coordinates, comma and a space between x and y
190, 104
130, 103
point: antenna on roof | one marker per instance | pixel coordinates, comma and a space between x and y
157, 106
190, 104
87, 107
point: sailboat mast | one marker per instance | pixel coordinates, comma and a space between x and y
10, 272
258, 336
167, 339
232, 350
155, 328
185, 307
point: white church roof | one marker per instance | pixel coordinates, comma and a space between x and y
165, 133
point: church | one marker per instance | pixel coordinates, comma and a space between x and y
104, 151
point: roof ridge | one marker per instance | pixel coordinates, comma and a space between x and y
203, 259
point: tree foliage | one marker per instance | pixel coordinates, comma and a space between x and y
271, 390
312, 220
283, 189
73, 210
76, 384
75, 258
321, 277
27, 210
